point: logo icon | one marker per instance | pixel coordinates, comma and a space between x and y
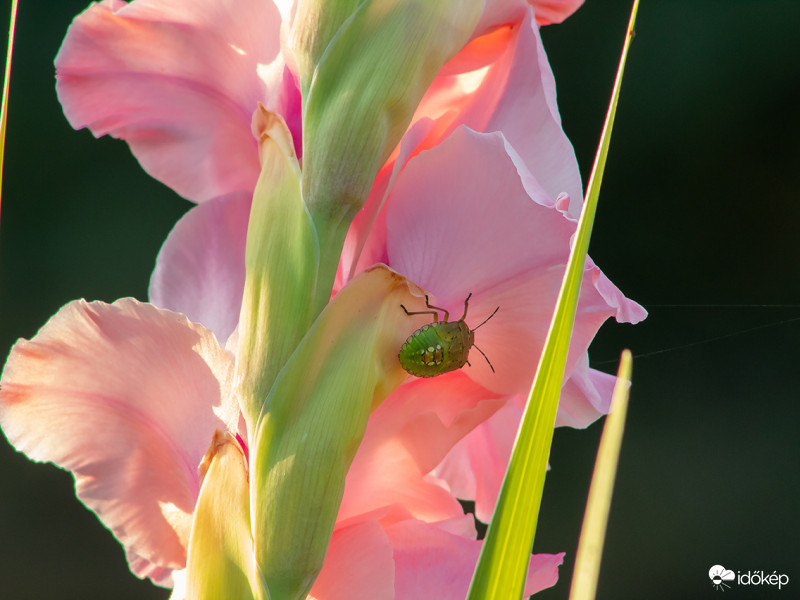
719, 575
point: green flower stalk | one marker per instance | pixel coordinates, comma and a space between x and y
306, 390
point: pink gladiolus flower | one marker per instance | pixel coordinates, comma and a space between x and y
128, 396
480, 196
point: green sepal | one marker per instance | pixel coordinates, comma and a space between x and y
314, 421
221, 562
281, 264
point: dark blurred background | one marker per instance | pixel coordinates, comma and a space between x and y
698, 221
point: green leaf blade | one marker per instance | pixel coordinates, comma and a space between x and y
6, 87
595, 520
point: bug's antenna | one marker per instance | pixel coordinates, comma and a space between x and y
484, 321
466, 303
481, 351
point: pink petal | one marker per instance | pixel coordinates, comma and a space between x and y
543, 572
431, 563
127, 397
358, 566
499, 12
200, 268
406, 437
626, 311
452, 205
585, 397
475, 468
179, 82
503, 82
554, 11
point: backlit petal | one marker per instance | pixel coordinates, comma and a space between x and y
406, 438
500, 12
475, 468
126, 397
179, 82
502, 82
200, 268
434, 564
359, 565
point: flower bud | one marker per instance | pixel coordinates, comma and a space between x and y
220, 562
363, 68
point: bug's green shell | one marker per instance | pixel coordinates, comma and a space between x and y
437, 348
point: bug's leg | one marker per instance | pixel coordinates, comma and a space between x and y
423, 312
489, 317
446, 313
486, 357
466, 303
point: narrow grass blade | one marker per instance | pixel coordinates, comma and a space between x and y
593, 531
503, 563
6, 85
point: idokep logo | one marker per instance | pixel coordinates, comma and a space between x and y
720, 576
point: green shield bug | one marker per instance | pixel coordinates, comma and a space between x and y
439, 347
